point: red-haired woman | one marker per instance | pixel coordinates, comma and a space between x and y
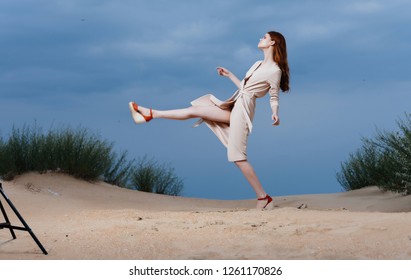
231, 120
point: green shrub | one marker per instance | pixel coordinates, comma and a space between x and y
73, 151
119, 171
398, 146
22, 152
366, 167
84, 155
79, 153
384, 161
150, 176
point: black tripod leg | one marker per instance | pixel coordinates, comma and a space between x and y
7, 219
26, 226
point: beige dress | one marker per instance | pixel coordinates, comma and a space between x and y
256, 84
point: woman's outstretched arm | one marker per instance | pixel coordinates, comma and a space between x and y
224, 72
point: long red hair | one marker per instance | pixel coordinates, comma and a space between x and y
280, 57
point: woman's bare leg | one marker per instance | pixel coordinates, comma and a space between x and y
212, 113
251, 176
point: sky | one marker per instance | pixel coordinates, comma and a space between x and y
80, 62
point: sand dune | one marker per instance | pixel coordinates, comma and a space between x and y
74, 219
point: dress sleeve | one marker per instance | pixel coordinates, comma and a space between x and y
274, 81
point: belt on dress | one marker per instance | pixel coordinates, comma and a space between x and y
243, 95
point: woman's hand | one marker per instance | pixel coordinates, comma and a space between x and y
276, 119
223, 72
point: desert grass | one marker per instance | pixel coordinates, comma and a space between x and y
82, 154
384, 161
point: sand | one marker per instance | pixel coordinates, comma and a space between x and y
77, 220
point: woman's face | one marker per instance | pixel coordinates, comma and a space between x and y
265, 42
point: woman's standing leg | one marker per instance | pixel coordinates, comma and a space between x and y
237, 153
251, 176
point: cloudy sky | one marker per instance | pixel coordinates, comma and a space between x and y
81, 61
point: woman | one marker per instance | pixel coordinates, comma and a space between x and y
231, 120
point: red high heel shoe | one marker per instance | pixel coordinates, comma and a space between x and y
137, 116
269, 199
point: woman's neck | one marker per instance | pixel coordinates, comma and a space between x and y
268, 56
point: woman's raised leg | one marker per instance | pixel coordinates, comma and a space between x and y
212, 113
